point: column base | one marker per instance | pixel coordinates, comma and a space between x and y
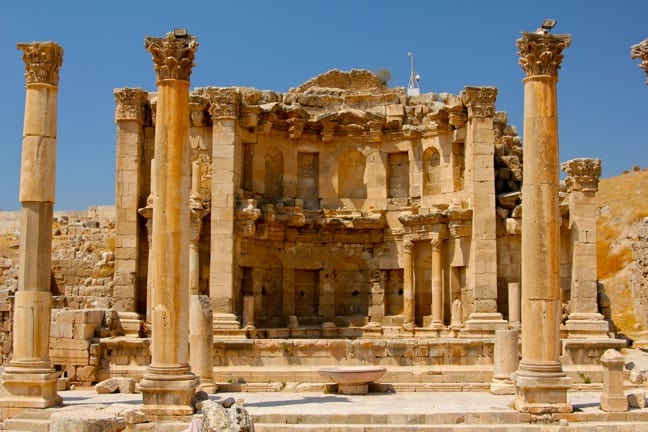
614, 403
541, 392
586, 325
372, 330
502, 387
25, 387
168, 391
483, 324
131, 323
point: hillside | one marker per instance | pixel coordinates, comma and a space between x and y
622, 204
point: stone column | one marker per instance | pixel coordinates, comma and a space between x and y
437, 286
480, 168
29, 381
408, 285
541, 384
583, 321
514, 306
506, 356
640, 51
168, 385
201, 344
147, 213
131, 114
224, 110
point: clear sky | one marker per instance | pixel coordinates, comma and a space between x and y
602, 95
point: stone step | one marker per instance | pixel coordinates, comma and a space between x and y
26, 424
511, 427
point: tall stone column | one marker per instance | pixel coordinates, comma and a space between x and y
582, 183
29, 381
168, 386
437, 286
408, 285
640, 51
480, 168
224, 110
541, 383
131, 114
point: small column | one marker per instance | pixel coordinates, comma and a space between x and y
29, 381
168, 385
506, 356
201, 344
640, 51
542, 385
131, 114
583, 321
224, 111
480, 166
514, 306
147, 213
613, 399
437, 286
408, 285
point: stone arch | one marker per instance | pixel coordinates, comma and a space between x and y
274, 171
431, 171
351, 175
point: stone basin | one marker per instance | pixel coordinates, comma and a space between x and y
353, 380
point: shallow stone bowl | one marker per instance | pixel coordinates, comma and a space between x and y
353, 379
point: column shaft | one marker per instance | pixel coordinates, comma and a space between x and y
408, 285
437, 287
29, 381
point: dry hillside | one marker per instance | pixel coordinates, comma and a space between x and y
622, 206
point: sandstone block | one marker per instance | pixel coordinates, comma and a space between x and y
636, 399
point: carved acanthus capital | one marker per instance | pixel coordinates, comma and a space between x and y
173, 56
436, 241
197, 110
640, 51
480, 101
43, 62
582, 174
540, 53
224, 102
131, 104
408, 247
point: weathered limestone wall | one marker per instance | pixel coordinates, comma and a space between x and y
640, 273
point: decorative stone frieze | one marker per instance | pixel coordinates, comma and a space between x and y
582, 174
131, 104
541, 54
480, 101
295, 127
173, 56
640, 51
43, 62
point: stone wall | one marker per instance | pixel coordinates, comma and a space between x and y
640, 273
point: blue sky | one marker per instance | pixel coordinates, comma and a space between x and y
602, 95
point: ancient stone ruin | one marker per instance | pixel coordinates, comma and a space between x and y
260, 236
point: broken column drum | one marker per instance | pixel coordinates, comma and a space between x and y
168, 386
29, 380
541, 384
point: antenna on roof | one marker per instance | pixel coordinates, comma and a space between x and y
413, 86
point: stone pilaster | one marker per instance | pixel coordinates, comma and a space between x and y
168, 385
29, 381
131, 114
480, 169
582, 183
640, 51
224, 111
541, 383
408, 285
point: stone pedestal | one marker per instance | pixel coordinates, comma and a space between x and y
506, 356
29, 381
613, 399
168, 385
541, 383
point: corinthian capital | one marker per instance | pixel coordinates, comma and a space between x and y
130, 104
540, 53
640, 51
43, 62
173, 55
582, 174
480, 101
224, 102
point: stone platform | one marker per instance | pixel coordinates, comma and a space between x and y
376, 412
